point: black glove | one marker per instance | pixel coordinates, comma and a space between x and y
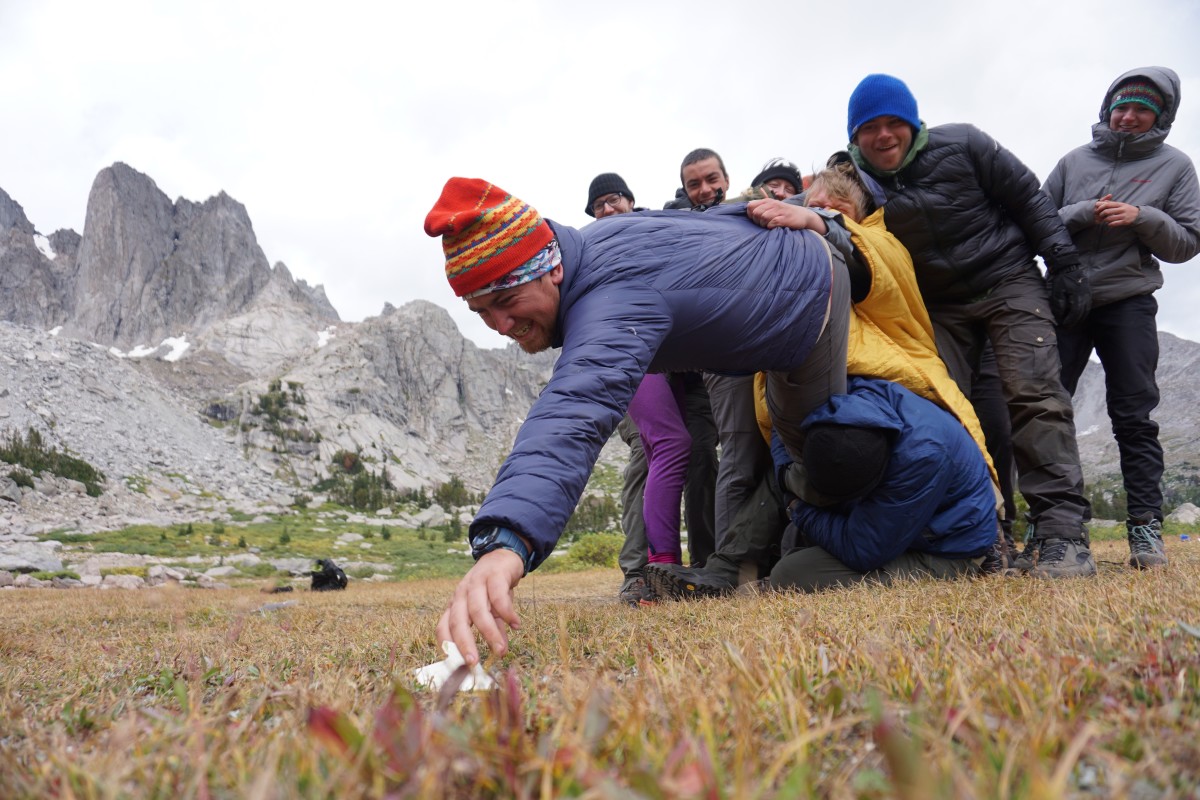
1070, 294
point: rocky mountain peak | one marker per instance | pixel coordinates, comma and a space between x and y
12, 216
35, 271
149, 268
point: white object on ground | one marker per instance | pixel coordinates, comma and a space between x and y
436, 674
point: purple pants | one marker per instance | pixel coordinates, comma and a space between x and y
657, 410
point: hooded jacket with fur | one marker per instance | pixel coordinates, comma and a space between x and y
1141, 170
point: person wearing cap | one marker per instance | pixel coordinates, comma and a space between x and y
1130, 200
891, 487
671, 438
608, 194
654, 291
973, 217
779, 179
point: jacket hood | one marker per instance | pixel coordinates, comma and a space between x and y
1167, 82
868, 405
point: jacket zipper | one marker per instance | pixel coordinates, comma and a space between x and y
1112, 180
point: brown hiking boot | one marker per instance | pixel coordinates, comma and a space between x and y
1063, 558
1146, 550
637, 593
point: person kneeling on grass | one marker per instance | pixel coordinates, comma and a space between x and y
890, 486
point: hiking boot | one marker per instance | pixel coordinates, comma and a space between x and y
1062, 558
637, 593
1023, 561
1001, 555
993, 562
1008, 545
756, 588
678, 583
1146, 549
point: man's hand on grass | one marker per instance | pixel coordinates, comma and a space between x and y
483, 599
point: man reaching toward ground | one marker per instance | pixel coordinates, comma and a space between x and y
648, 292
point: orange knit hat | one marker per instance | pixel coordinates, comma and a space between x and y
486, 232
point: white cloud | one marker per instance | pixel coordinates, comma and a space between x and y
336, 126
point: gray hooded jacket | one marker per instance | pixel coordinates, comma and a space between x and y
1142, 170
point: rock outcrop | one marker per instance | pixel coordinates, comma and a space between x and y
35, 271
409, 391
149, 269
163, 462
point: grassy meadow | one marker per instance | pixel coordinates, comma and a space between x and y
1007, 688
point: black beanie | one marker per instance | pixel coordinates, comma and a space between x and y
780, 168
606, 183
843, 462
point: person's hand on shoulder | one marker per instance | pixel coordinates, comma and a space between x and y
483, 600
777, 214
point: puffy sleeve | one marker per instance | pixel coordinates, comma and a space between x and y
1076, 216
1006, 179
608, 343
1172, 233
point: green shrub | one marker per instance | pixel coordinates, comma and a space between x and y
21, 477
44, 575
597, 549
451, 494
32, 453
260, 570
139, 571
594, 514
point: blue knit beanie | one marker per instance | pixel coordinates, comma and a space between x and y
879, 96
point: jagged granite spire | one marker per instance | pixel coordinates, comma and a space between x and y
149, 268
35, 272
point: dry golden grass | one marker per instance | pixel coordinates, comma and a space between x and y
987, 688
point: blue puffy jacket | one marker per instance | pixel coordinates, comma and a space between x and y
652, 291
936, 493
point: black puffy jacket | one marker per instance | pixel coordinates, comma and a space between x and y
972, 215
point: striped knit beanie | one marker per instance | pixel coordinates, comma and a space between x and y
486, 234
1138, 90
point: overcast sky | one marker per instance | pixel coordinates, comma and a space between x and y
336, 124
